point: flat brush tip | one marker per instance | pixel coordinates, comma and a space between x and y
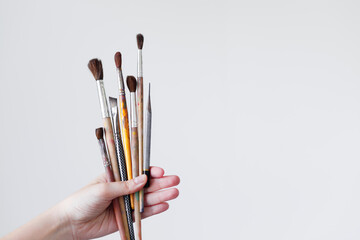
96, 69
131, 83
99, 133
140, 40
118, 59
113, 102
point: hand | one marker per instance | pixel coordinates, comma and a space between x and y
88, 212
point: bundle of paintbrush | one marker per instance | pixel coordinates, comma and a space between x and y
126, 151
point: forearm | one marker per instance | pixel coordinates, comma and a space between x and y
51, 224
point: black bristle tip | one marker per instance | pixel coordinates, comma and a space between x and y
131, 83
118, 59
99, 133
140, 40
96, 69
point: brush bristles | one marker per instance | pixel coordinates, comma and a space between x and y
113, 102
140, 40
96, 69
118, 59
99, 133
131, 83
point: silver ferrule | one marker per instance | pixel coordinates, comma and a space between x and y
115, 120
133, 110
102, 99
121, 82
147, 141
139, 64
105, 158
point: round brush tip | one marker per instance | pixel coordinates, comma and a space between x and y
96, 69
99, 132
131, 83
118, 59
140, 40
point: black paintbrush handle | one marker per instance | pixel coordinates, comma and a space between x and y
120, 157
129, 217
147, 173
123, 175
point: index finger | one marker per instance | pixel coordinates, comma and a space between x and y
156, 172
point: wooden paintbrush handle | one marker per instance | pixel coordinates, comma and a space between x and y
111, 147
110, 178
140, 112
135, 151
135, 165
116, 205
115, 167
124, 123
137, 217
119, 220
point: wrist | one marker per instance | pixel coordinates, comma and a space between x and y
52, 224
61, 225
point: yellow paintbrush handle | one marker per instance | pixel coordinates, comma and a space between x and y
124, 122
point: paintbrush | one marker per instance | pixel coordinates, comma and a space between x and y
147, 141
121, 160
109, 177
131, 83
96, 69
140, 103
124, 121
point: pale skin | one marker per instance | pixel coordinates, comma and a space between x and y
88, 213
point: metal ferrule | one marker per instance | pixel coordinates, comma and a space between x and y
102, 98
147, 141
104, 156
121, 82
115, 119
133, 110
139, 64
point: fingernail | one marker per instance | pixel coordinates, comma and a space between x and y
139, 179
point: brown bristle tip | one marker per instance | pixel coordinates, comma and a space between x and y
118, 59
140, 40
99, 133
96, 69
113, 102
131, 83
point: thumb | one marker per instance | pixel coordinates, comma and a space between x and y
116, 189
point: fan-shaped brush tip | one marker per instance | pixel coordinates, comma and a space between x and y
131, 83
118, 59
99, 133
140, 40
96, 69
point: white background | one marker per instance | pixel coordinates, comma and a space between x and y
255, 107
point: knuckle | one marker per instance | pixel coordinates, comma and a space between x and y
127, 186
103, 189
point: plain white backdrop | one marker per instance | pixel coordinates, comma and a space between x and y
255, 107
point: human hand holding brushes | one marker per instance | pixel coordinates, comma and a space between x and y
86, 214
